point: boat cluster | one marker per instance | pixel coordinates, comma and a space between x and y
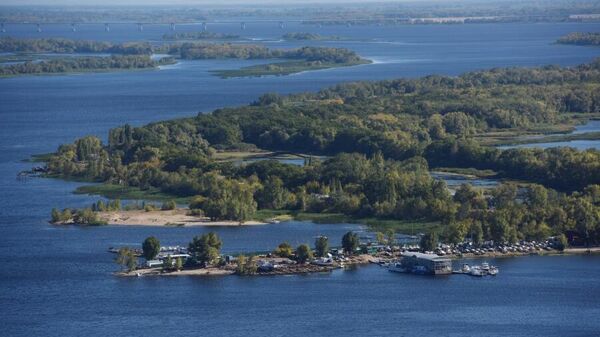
525, 247
484, 269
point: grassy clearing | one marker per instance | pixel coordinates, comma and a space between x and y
400, 226
128, 193
467, 171
376, 225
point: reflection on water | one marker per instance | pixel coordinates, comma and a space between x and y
455, 180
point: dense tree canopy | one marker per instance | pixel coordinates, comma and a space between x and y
382, 139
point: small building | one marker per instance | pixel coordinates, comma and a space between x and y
154, 263
426, 263
372, 249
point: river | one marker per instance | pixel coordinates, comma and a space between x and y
57, 280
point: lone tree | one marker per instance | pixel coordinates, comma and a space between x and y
127, 259
321, 246
429, 241
380, 237
168, 205
303, 253
350, 242
284, 250
205, 249
246, 266
168, 263
150, 248
390, 236
561, 242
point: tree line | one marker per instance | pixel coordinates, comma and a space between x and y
61, 45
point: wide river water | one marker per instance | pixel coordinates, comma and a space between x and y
56, 281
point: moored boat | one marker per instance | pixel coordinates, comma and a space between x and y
397, 268
476, 271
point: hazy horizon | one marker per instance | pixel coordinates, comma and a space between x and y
211, 3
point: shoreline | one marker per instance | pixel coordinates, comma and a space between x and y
357, 260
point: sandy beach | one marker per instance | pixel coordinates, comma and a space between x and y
177, 217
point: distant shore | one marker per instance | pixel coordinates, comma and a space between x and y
177, 217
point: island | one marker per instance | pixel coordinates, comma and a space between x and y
300, 59
83, 64
309, 37
376, 142
303, 59
581, 39
135, 55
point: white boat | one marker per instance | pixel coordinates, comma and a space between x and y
466, 268
397, 268
493, 271
476, 271
323, 261
485, 266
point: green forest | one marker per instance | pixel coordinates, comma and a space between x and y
381, 139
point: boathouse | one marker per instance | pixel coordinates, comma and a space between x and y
426, 263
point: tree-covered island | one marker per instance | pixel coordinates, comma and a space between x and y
300, 36
135, 55
84, 64
382, 139
581, 39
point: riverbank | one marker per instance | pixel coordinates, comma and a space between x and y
178, 218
